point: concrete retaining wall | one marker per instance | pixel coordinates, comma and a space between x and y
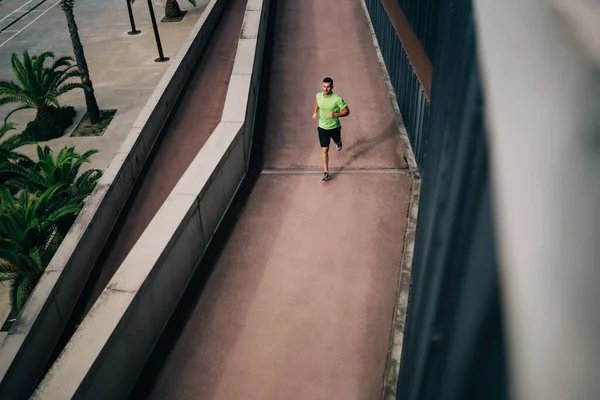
111, 346
27, 347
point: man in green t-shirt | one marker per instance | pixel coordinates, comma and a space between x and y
329, 108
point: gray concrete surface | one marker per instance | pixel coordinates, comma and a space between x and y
4, 305
121, 66
131, 312
25, 349
197, 114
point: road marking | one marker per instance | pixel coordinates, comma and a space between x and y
26, 11
35, 19
17, 10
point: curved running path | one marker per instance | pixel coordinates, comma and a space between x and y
299, 305
195, 117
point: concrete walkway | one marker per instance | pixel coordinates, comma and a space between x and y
197, 115
122, 67
300, 303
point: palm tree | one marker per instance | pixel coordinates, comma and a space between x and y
90, 99
48, 172
8, 146
28, 231
9, 158
38, 86
172, 9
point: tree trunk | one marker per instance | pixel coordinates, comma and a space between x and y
172, 9
90, 99
41, 112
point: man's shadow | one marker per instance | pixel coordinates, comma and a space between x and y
364, 146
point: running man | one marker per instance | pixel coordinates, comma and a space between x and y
329, 108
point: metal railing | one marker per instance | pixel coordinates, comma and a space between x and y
412, 100
454, 339
506, 233
454, 344
423, 17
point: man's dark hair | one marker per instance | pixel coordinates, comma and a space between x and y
328, 80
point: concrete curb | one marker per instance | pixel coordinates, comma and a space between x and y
28, 345
110, 347
392, 368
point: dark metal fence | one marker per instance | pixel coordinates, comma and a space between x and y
454, 339
454, 345
411, 99
423, 18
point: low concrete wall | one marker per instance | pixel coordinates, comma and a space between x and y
111, 346
27, 347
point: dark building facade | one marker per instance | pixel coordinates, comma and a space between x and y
454, 344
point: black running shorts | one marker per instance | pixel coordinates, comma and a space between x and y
326, 134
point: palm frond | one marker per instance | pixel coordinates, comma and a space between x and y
68, 75
17, 141
6, 86
17, 98
7, 127
21, 288
37, 85
67, 87
16, 293
23, 107
65, 61
85, 156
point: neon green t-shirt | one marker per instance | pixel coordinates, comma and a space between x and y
332, 103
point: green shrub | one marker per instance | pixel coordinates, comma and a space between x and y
38, 86
50, 125
38, 204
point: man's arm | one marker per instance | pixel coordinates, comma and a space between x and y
316, 109
344, 112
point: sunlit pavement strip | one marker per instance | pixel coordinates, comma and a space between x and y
25, 27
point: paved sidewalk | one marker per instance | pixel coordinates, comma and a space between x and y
121, 66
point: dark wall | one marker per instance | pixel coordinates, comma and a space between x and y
412, 100
423, 17
454, 345
454, 339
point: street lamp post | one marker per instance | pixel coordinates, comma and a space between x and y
133, 31
161, 57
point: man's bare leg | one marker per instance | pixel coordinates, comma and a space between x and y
325, 155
